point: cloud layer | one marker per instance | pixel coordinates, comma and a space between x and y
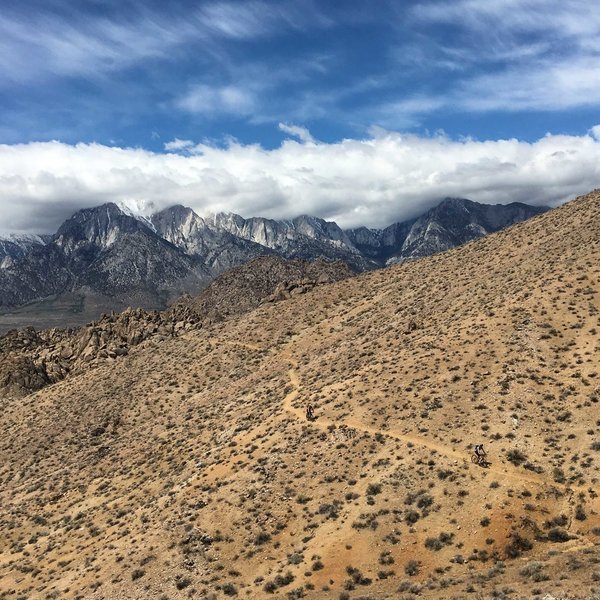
372, 181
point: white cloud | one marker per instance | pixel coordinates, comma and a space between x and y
536, 54
248, 19
35, 45
177, 145
208, 100
46, 45
372, 181
565, 18
301, 133
403, 114
545, 85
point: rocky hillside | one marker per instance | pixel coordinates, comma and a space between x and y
106, 258
30, 359
265, 279
187, 468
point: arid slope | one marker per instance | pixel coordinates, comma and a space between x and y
186, 469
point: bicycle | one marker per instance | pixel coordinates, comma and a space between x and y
479, 459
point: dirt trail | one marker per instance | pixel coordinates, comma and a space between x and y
324, 423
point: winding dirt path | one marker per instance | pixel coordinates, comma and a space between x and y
324, 423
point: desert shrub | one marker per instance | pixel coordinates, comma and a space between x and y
229, 589
357, 577
535, 468
516, 457
182, 582
424, 501
262, 538
517, 546
534, 571
331, 510
282, 580
565, 416
317, 565
373, 489
432, 543
558, 535
446, 538
279, 581
559, 521
411, 517
269, 587
385, 574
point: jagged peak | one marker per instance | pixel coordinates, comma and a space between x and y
455, 202
100, 224
312, 220
23, 238
215, 218
137, 208
109, 208
174, 209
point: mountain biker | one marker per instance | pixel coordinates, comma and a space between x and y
479, 451
310, 412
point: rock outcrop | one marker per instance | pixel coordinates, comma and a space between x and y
30, 359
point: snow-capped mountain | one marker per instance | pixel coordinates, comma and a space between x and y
280, 235
104, 251
303, 237
195, 236
114, 252
451, 223
15, 246
456, 221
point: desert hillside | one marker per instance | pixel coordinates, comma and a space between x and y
187, 469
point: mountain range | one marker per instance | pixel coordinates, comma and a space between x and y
105, 258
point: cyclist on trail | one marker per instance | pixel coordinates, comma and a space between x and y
310, 412
479, 451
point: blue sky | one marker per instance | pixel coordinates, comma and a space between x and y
174, 76
143, 73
